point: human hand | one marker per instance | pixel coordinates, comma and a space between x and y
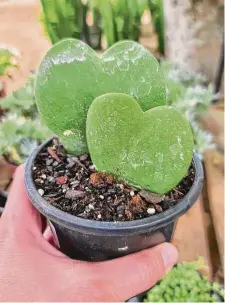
31, 269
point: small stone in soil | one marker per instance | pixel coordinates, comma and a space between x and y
62, 180
41, 192
50, 179
158, 208
151, 211
39, 181
121, 186
92, 167
136, 204
83, 157
49, 162
73, 194
132, 193
151, 197
101, 178
53, 154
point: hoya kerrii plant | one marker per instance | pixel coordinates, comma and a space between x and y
114, 107
122, 155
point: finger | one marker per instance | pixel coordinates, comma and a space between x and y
48, 235
19, 212
131, 275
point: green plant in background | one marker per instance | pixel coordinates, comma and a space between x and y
21, 129
121, 19
63, 19
21, 102
189, 93
115, 19
184, 283
156, 9
7, 60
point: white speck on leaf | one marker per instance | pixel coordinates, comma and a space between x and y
109, 59
159, 157
182, 156
68, 132
174, 149
157, 176
142, 79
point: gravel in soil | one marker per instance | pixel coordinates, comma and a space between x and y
73, 185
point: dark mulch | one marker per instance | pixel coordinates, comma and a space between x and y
73, 185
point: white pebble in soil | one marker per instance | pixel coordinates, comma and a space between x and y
151, 211
91, 206
41, 192
43, 176
92, 167
34, 168
101, 197
121, 186
99, 216
132, 193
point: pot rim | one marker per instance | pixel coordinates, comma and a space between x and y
101, 227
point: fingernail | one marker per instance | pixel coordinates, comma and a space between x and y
169, 255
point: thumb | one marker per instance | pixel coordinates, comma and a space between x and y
131, 275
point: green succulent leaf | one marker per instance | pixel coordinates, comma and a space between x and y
71, 76
151, 149
191, 286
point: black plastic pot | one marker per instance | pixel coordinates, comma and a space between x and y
97, 241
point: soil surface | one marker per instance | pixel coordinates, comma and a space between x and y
73, 185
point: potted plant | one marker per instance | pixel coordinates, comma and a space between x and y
122, 168
184, 283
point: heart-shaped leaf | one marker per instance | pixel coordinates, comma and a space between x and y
152, 149
71, 76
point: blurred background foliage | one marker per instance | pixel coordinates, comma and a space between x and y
21, 129
7, 60
95, 20
185, 283
190, 93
